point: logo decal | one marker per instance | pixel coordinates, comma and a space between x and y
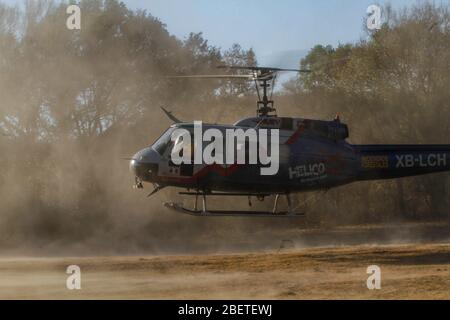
310, 172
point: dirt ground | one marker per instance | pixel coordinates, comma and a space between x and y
407, 272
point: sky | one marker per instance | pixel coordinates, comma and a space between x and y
280, 31
271, 28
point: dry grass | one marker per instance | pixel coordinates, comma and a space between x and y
408, 272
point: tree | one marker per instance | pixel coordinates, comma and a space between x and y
397, 80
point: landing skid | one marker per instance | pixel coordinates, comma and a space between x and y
226, 213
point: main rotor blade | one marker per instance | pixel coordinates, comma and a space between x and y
262, 69
218, 76
294, 70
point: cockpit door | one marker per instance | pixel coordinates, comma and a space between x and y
172, 169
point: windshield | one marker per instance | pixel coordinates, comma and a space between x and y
163, 142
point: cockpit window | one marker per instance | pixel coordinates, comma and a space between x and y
163, 142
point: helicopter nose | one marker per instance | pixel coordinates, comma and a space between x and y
144, 164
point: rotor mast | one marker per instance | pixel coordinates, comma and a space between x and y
265, 105
264, 78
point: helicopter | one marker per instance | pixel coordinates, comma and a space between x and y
312, 155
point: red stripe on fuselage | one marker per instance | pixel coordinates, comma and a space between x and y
292, 139
225, 172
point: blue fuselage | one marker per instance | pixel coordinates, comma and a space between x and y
313, 155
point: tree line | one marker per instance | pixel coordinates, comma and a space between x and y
73, 103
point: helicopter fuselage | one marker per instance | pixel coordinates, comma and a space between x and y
313, 155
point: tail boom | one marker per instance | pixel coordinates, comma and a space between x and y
396, 161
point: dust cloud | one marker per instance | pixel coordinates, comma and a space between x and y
74, 104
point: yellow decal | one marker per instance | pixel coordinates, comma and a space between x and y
371, 162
